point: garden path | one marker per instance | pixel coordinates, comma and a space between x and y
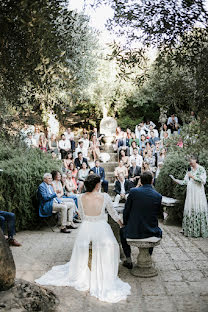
182, 283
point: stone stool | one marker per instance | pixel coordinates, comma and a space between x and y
144, 267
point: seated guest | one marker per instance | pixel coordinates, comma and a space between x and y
153, 138
79, 160
65, 146
138, 158
101, 172
8, 218
49, 202
121, 169
95, 133
121, 189
140, 215
139, 131
147, 148
70, 136
164, 129
82, 175
123, 143
161, 157
154, 130
70, 188
86, 142
172, 122
81, 148
142, 144
53, 144
68, 160
180, 142
133, 138
133, 145
149, 124
58, 187
151, 160
30, 141
145, 166
84, 131
42, 144
94, 147
74, 172
134, 174
157, 151
36, 135
124, 158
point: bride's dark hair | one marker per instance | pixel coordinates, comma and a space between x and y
91, 182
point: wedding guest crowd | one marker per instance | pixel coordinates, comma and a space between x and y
138, 151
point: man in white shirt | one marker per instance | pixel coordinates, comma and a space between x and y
151, 128
86, 142
64, 145
30, 141
70, 136
172, 120
80, 148
121, 189
138, 158
139, 131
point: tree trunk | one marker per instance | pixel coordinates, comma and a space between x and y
7, 265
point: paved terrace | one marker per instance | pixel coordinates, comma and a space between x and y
182, 283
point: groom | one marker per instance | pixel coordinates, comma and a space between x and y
140, 215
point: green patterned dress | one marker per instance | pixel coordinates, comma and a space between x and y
195, 217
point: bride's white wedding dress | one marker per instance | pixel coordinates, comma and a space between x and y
102, 281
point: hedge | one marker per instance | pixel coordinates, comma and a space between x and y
23, 171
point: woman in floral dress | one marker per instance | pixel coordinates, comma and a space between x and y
195, 217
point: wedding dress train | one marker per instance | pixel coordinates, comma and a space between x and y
102, 280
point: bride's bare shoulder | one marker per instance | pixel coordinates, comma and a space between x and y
96, 196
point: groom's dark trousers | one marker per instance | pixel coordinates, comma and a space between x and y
140, 216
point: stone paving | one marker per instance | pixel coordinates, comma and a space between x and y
181, 285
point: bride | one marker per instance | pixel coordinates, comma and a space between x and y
102, 280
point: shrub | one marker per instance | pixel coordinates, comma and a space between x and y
128, 122
22, 173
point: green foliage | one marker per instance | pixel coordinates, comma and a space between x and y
156, 22
48, 56
23, 171
127, 122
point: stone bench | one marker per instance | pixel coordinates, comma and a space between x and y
168, 212
144, 266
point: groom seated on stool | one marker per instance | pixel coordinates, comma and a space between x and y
49, 202
140, 215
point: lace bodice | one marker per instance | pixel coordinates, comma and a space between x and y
107, 205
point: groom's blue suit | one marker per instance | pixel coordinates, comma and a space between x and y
140, 215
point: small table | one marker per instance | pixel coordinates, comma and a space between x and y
168, 212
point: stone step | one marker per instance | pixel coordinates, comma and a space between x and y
111, 193
110, 166
113, 157
108, 148
111, 187
110, 177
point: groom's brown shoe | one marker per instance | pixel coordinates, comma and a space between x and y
127, 265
